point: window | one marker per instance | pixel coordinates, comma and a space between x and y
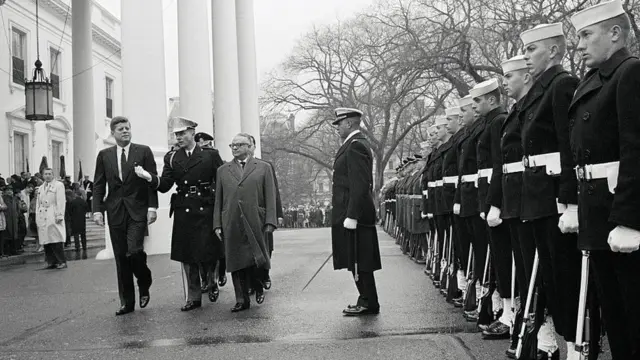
18, 55
20, 152
54, 74
321, 187
109, 94
56, 152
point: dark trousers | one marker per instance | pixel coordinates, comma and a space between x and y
518, 238
617, 282
368, 294
243, 280
476, 227
131, 260
501, 258
560, 270
442, 229
461, 240
54, 254
207, 274
192, 281
77, 238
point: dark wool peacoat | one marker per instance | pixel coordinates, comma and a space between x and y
488, 149
353, 198
245, 204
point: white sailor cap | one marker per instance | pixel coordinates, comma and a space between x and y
541, 32
515, 63
452, 111
597, 13
440, 120
465, 101
484, 88
182, 123
344, 113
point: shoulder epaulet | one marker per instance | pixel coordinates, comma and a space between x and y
170, 154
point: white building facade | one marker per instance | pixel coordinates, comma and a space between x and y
23, 143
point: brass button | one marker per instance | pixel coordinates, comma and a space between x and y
187, 210
586, 116
186, 195
201, 209
199, 194
185, 181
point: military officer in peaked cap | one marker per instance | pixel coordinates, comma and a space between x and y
353, 232
605, 143
549, 182
193, 170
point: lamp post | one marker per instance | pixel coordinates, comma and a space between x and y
39, 91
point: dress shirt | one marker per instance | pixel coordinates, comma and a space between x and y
119, 154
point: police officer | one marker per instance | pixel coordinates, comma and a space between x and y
486, 97
605, 142
192, 169
549, 182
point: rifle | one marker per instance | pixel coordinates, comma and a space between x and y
443, 263
528, 339
470, 300
436, 260
452, 289
583, 333
485, 308
513, 292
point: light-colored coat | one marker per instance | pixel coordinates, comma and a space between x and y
50, 207
245, 203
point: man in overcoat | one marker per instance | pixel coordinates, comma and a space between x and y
245, 210
353, 233
193, 169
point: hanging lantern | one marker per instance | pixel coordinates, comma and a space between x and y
39, 96
39, 91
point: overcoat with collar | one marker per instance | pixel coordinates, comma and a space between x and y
450, 168
545, 129
192, 238
605, 119
245, 204
488, 152
466, 193
353, 198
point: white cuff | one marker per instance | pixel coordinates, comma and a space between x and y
152, 209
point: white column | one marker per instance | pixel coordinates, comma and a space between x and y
225, 75
247, 69
144, 100
195, 63
84, 121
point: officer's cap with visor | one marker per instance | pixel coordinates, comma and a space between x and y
203, 136
345, 113
182, 124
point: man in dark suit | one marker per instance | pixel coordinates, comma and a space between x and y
130, 205
353, 233
87, 185
193, 169
605, 142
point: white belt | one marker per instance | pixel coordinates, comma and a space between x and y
439, 183
415, 196
514, 167
431, 184
425, 192
485, 173
393, 200
450, 180
469, 178
607, 171
550, 160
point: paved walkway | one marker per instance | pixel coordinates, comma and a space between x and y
69, 314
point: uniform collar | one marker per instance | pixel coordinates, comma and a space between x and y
549, 74
493, 113
353, 133
610, 65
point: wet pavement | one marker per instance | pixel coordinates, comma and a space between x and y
69, 314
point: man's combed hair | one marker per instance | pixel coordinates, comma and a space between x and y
560, 42
628, 36
247, 136
117, 120
495, 93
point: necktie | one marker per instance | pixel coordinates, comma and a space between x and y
188, 153
242, 163
123, 164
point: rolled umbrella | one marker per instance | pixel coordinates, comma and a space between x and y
80, 171
43, 164
63, 172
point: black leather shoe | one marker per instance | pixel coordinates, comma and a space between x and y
496, 331
204, 288
240, 307
267, 284
214, 292
260, 297
222, 280
61, 266
124, 310
144, 300
546, 356
191, 305
361, 311
511, 352
49, 267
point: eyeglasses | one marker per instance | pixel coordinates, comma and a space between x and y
237, 145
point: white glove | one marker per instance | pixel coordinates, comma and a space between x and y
423, 215
493, 218
350, 224
568, 222
430, 216
483, 216
98, 219
624, 239
142, 173
456, 209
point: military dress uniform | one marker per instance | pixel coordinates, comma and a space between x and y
549, 180
605, 143
192, 240
419, 226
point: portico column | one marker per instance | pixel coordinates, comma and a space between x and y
145, 101
195, 64
84, 121
225, 75
248, 72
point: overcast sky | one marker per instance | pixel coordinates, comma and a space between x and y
279, 23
